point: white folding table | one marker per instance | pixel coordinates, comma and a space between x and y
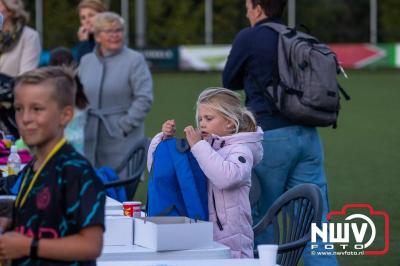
227, 262
134, 252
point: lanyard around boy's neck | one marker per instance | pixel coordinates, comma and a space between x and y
20, 202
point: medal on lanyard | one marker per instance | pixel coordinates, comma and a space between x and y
20, 201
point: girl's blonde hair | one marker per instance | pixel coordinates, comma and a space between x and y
16, 7
227, 103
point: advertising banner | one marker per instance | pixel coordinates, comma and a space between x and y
166, 59
351, 56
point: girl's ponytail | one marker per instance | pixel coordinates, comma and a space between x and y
248, 123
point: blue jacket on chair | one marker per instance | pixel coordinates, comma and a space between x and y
177, 186
107, 174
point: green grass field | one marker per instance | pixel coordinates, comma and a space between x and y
362, 155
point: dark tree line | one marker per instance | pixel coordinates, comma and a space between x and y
172, 22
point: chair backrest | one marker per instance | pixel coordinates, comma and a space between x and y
291, 216
131, 168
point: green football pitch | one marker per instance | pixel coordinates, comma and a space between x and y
362, 156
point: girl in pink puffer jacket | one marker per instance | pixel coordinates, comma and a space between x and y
227, 145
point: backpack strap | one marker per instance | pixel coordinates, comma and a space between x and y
272, 99
280, 28
275, 79
344, 93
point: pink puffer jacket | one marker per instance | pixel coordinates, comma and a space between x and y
227, 162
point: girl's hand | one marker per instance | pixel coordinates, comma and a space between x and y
192, 135
168, 128
14, 245
83, 33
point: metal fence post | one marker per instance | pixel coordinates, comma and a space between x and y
39, 18
125, 15
140, 15
208, 22
292, 13
373, 21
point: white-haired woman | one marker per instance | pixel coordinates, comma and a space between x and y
118, 85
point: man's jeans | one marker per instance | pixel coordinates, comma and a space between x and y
292, 156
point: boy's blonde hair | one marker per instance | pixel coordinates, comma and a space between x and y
227, 103
60, 79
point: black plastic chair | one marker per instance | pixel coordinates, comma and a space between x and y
291, 216
131, 168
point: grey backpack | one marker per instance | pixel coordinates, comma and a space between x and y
304, 87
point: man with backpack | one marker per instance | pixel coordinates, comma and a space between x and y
293, 153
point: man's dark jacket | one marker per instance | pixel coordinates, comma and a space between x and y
252, 61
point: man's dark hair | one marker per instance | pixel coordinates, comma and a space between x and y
271, 8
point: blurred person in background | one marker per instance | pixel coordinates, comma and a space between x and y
87, 10
19, 44
118, 84
74, 131
61, 56
19, 52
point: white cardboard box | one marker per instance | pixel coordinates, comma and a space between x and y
119, 230
112, 204
172, 233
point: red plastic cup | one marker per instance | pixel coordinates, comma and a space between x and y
132, 208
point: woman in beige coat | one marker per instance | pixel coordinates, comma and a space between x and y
19, 44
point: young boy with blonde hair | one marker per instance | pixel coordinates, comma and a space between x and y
59, 210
